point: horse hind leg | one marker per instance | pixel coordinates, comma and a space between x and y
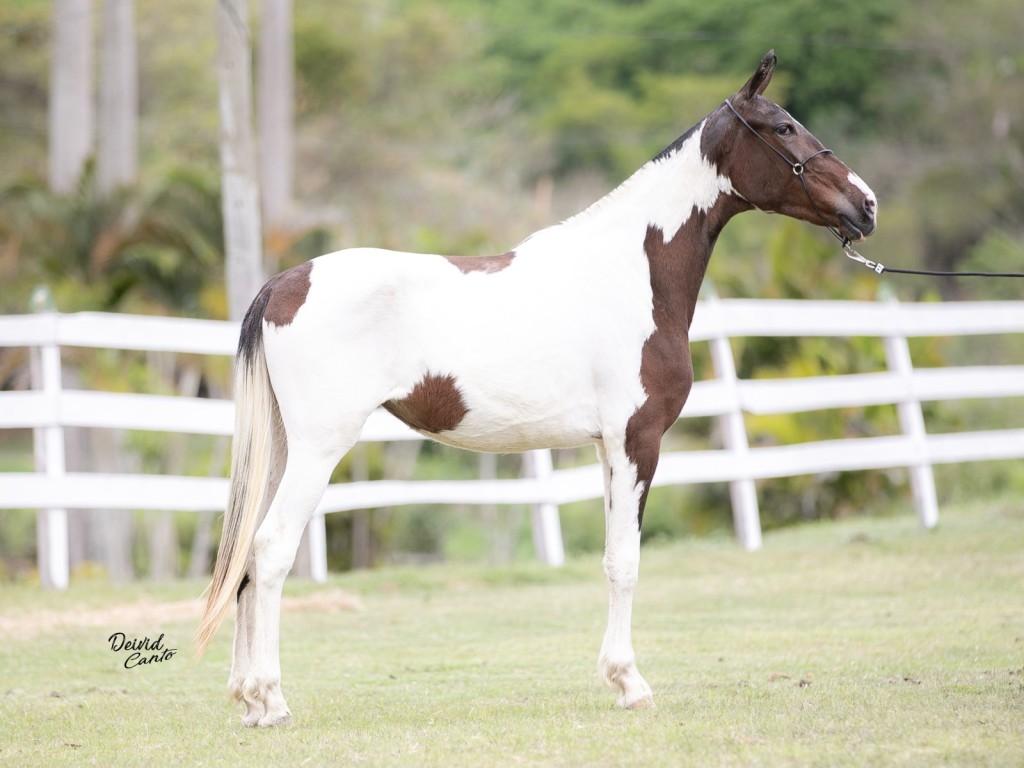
306, 474
243, 643
245, 600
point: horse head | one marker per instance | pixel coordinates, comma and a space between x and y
777, 165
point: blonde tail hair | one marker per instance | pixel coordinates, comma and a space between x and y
255, 419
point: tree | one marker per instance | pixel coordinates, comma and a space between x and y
276, 111
71, 112
117, 151
240, 188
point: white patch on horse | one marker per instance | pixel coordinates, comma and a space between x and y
667, 189
860, 184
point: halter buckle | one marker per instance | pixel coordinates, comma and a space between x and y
798, 169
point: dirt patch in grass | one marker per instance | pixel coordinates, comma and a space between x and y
147, 612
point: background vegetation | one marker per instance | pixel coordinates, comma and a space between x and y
462, 126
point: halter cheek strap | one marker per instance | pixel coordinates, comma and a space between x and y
799, 167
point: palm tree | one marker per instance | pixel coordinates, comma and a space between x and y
153, 248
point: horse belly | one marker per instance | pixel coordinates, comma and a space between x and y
516, 423
481, 404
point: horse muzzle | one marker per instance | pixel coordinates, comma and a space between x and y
857, 224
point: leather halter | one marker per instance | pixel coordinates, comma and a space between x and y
798, 168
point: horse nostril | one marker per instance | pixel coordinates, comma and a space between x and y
870, 206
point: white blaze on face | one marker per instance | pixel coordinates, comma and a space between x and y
859, 183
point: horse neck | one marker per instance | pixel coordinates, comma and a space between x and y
674, 207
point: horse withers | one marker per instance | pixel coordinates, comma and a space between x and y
579, 335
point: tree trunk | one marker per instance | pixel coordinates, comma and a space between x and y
240, 189
117, 152
70, 110
276, 112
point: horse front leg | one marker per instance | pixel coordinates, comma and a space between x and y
623, 507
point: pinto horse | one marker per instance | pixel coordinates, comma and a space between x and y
579, 335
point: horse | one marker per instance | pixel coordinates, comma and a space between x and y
579, 335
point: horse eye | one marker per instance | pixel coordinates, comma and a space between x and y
784, 129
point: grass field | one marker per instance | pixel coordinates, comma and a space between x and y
864, 642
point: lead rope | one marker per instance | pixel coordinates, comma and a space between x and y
874, 266
879, 268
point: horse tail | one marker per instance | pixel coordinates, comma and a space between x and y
251, 456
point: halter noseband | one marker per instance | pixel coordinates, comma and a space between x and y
798, 168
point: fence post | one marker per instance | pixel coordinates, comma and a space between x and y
547, 527
316, 532
48, 449
743, 492
922, 479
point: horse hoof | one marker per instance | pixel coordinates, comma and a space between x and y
276, 721
645, 702
251, 719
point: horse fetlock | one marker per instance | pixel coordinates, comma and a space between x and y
614, 668
622, 675
255, 688
235, 688
264, 703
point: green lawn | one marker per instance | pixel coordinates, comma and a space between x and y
864, 642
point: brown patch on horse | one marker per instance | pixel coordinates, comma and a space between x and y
434, 405
487, 264
677, 269
667, 375
288, 292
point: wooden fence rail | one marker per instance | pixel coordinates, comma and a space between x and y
49, 408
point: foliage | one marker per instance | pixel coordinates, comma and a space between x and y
156, 249
606, 77
24, 53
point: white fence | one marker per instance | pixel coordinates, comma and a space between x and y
50, 408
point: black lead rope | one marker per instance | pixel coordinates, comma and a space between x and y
874, 266
879, 268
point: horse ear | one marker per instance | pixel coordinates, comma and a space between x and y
759, 80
